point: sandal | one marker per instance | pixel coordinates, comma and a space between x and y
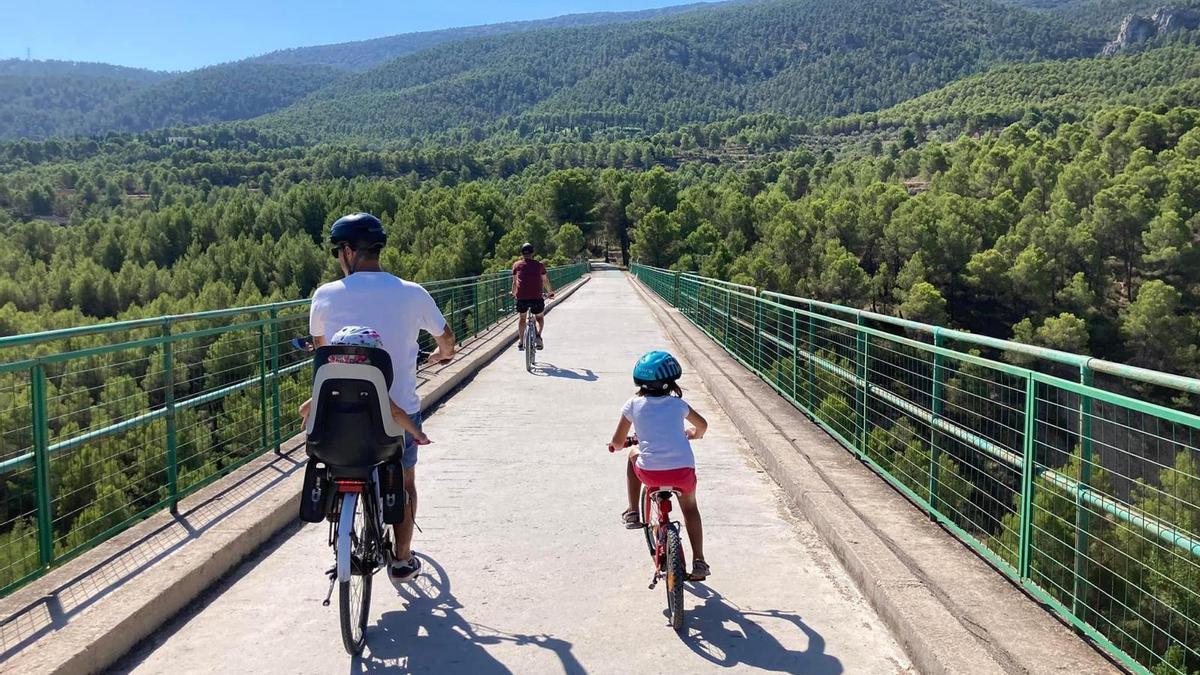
630, 518
700, 570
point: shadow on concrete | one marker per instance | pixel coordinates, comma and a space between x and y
141, 547
551, 370
724, 634
430, 635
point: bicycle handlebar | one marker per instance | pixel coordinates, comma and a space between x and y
630, 441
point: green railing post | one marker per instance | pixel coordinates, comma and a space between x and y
758, 337
168, 364
795, 355
725, 332
860, 394
1027, 461
476, 306
262, 387
675, 303
41, 454
935, 405
812, 352
276, 398
1082, 514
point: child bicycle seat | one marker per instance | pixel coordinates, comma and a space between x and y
350, 427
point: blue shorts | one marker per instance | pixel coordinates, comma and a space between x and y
409, 459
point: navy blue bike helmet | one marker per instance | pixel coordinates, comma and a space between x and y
656, 370
357, 230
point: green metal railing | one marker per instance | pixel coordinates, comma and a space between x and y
101, 426
1088, 496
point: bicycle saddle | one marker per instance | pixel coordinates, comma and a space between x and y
350, 427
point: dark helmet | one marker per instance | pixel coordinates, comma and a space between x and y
656, 370
357, 230
526, 248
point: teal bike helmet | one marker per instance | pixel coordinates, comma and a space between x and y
656, 370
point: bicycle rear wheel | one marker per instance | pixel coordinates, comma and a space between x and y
354, 594
676, 573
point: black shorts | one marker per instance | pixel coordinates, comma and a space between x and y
537, 306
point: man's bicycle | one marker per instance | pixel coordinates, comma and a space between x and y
352, 490
664, 543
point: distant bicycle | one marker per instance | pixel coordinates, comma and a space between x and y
529, 344
663, 542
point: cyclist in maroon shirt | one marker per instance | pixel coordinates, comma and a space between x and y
529, 280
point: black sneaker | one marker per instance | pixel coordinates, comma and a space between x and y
520, 345
404, 572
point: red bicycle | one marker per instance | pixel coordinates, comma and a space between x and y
662, 539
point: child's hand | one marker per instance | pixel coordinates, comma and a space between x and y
692, 434
613, 447
634, 453
421, 439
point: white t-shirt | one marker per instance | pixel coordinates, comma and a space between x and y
398, 309
658, 421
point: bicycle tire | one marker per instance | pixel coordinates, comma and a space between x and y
530, 346
354, 595
648, 514
676, 574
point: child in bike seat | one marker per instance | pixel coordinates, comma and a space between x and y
663, 456
361, 336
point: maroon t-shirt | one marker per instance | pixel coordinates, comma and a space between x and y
529, 279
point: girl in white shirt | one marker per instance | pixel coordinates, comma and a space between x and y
663, 456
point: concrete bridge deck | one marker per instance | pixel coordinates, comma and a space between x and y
528, 569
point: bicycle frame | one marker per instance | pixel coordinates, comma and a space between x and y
661, 499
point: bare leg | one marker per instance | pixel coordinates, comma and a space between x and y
691, 519
521, 327
541, 322
404, 530
633, 486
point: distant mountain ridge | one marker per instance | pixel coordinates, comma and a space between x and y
361, 55
804, 58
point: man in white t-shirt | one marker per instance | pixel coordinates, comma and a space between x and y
399, 310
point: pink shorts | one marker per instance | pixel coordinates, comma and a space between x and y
683, 479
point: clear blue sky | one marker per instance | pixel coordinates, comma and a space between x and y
185, 34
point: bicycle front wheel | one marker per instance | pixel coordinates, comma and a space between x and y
354, 592
676, 573
530, 346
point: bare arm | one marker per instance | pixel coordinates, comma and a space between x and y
619, 436
445, 343
546, 285
699, 424
405, 421
319, 341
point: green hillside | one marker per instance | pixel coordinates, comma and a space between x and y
798, 57
363, 55
1170, 75
45, 98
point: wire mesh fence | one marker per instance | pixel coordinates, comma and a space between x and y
1088, 495
101, 426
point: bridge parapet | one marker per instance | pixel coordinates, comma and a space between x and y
1088, 496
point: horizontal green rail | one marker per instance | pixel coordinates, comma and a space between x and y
1088, 497
101, 426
